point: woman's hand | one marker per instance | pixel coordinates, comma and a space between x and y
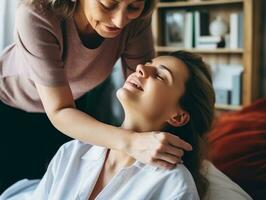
158, 148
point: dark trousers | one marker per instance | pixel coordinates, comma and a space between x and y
28, 141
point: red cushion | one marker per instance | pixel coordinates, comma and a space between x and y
238, 147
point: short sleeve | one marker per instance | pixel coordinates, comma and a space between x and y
139, 47
40, 44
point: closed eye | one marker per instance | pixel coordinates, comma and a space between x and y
108, 6
136, 6
159, 77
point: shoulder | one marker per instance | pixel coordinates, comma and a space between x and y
176, 183
179, 177
180, 173
36, 15
69, 153
74, 147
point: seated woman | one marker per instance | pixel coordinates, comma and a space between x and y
172, 93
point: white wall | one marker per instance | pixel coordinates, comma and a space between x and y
7, 20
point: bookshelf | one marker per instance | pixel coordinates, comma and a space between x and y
248, 55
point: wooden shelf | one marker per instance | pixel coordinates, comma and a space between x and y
212, 51
197, 3
249, 56
227, 107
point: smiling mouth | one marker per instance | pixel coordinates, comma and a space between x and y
135, 85
112, 29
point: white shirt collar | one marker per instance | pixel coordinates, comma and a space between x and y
97, 152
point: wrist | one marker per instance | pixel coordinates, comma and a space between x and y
127, 141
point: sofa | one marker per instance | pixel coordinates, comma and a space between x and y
237, 147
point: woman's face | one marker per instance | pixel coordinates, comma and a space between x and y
155, 88
109, 17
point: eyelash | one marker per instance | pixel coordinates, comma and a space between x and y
108, 8
132, 8
159, 77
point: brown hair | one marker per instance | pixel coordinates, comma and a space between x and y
198, 100
66, 8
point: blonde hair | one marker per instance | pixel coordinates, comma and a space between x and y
66, 8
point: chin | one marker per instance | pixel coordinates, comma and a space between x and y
107, 35
121, 95
126, 98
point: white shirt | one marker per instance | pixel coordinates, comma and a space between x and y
74, 171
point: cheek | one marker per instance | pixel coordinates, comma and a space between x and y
94, 13
158, 99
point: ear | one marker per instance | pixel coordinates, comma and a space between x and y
179, 119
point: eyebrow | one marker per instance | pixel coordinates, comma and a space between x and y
166, 69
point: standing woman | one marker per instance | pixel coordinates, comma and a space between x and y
62, 50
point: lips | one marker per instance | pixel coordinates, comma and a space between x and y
135, 83
113, 29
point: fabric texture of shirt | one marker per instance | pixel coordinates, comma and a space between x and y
48, 51
74, 171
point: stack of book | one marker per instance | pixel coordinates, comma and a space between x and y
210, 42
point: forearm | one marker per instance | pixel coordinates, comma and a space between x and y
81, 126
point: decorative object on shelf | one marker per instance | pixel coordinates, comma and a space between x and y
218, 27
174, 28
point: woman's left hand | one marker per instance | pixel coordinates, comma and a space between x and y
161, 149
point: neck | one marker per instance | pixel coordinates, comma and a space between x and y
137, 124
140, 124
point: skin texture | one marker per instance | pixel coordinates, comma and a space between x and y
150, 99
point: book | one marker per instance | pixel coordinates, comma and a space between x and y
188, 35
210, 39
228, 77
236, 30
201, 25
207, 45
241, 30
236, 89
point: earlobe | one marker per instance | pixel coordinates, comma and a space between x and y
179, 119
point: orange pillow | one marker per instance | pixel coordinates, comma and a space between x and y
238, 147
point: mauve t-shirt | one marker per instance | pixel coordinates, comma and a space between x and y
48, 51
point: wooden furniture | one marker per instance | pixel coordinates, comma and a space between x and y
249, 56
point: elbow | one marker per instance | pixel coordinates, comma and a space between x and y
58, 118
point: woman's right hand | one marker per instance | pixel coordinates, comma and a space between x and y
160, 149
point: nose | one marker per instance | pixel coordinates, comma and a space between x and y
141, 71
120, 19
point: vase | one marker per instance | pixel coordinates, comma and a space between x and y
218, 27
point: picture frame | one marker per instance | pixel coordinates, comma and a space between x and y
175, 28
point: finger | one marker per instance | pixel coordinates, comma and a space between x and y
178, 142
169, 149
168, 158
162, 164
